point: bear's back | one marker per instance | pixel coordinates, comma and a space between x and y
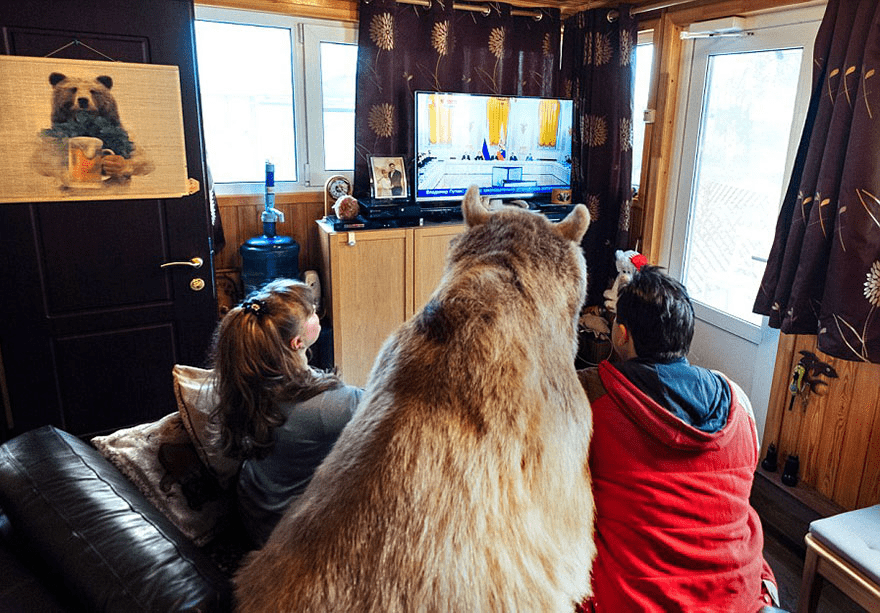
461, 483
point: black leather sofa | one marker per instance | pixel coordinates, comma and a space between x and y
76, 535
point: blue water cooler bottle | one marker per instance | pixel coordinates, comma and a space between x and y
268, 257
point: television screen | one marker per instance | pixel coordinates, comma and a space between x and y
511, 147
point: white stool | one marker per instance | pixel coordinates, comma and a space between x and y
845, 550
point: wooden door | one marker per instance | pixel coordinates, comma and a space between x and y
90, 325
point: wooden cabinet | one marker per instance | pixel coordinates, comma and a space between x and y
430, 244
375, 280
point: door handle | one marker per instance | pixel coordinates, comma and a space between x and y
194, 263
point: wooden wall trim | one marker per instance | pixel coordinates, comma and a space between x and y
714, 9
659, 136
338, 10
240, 216
347, 10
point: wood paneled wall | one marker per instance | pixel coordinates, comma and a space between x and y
835, 436
241, 220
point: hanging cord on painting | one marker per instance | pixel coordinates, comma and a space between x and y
78, 43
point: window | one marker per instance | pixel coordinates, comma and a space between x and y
746, 96
337, 96
644, 62
275, 88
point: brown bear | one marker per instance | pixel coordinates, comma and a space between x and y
71, 95
87, 108
461, 483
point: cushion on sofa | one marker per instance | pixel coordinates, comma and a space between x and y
196, 400
160, 458
92, 527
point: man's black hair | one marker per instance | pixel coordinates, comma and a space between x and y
658, 313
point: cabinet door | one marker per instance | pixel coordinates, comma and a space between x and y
370, 295
429, 256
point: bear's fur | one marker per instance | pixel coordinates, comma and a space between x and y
461, 483
87, 107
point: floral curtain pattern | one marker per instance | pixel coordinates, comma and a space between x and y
405, 48
823, 272
598, 54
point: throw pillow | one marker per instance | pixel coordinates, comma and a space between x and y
196, 400
161, 461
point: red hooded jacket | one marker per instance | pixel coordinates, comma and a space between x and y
674, 527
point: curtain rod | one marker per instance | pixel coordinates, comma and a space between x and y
644, 8
536, 15
475, 8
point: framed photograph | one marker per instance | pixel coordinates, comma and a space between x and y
388, 176
88, 130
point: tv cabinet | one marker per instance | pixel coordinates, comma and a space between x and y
373, 281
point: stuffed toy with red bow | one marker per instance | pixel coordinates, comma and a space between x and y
627, 262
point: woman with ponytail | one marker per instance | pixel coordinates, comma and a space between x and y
276, 413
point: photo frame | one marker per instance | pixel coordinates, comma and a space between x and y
90, 130
388, 177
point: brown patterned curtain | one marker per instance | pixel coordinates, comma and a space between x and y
598, 53
823, 273
403, 48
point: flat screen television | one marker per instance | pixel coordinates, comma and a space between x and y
509, 146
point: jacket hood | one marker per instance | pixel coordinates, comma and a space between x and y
680, 404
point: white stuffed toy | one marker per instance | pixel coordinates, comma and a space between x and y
628, 262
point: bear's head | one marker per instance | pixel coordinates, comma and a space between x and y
71, 95
543, 257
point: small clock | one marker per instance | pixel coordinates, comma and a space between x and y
336, 186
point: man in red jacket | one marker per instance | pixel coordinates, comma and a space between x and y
673, 455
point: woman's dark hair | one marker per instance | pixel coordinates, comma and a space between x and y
658, 313
255, 367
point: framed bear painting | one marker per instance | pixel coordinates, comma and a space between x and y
87, 130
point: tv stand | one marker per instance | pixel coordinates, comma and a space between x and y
373, 281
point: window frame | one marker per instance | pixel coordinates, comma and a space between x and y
690, 100
308, 124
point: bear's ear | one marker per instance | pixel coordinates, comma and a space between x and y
472, 208
55, 78
575, 224
105, 81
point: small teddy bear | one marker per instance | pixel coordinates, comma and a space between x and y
627, 262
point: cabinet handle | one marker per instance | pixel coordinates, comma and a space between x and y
195, 263
351, 241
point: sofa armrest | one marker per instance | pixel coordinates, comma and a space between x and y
93, 528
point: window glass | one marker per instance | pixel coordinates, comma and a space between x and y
338, 68
644, 60
747, 112
246, 84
